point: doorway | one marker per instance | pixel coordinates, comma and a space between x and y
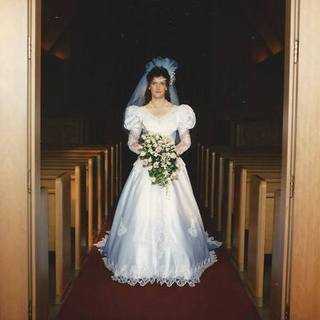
231, 69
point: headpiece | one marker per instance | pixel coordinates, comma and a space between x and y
137, 97
166, 63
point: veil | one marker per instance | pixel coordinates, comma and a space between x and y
137, 97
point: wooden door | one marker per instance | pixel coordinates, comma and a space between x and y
304, 294
14, 197
296, 259
20, 205
38, 223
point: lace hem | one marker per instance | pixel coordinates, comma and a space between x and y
181, 281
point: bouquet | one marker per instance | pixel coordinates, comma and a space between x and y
159, 155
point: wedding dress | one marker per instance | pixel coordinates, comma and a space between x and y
157, 235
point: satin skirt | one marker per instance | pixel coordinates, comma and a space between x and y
157, 234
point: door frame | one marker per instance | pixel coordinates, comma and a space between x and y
37, 309
280, 279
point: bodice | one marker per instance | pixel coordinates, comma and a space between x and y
179, 120
166, 125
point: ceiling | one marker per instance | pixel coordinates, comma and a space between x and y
147, 20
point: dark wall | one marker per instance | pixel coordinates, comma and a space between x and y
213, 41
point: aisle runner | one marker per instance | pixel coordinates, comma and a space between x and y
219, 296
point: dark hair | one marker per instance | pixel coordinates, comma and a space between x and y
153, 73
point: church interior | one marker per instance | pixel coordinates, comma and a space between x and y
251, 160
230, 71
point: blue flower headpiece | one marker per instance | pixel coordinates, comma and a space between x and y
166, 63
137, 97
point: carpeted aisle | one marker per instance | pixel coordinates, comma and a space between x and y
219, 295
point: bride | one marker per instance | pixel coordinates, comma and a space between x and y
157, 234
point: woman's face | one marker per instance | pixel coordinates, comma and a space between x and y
158, 87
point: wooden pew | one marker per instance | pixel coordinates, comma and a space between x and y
93, 214
276, 268
120, 167
203, 178
79, 215
227, 176
216, 192
201, 181
116, 168
67, 163
101, 169
219, 181
229, 188
50, 166
112, 172
219, 189
92, 194
262, 195
112, 176
198, 163
212, 184
241, 213
59, 189
206, 176
207, 159
41, 276
103, 163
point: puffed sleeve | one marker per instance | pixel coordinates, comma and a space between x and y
131, 118
187, 118
132, 122
186, 121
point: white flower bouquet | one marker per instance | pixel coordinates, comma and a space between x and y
159, 155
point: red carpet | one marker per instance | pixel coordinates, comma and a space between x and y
219, 295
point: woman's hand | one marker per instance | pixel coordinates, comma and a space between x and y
138, 147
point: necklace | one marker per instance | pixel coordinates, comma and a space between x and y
153, 106
160, 115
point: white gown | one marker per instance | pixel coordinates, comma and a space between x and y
158, 236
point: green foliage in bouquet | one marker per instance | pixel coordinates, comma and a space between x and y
159, 155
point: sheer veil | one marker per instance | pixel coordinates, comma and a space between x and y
137, 97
